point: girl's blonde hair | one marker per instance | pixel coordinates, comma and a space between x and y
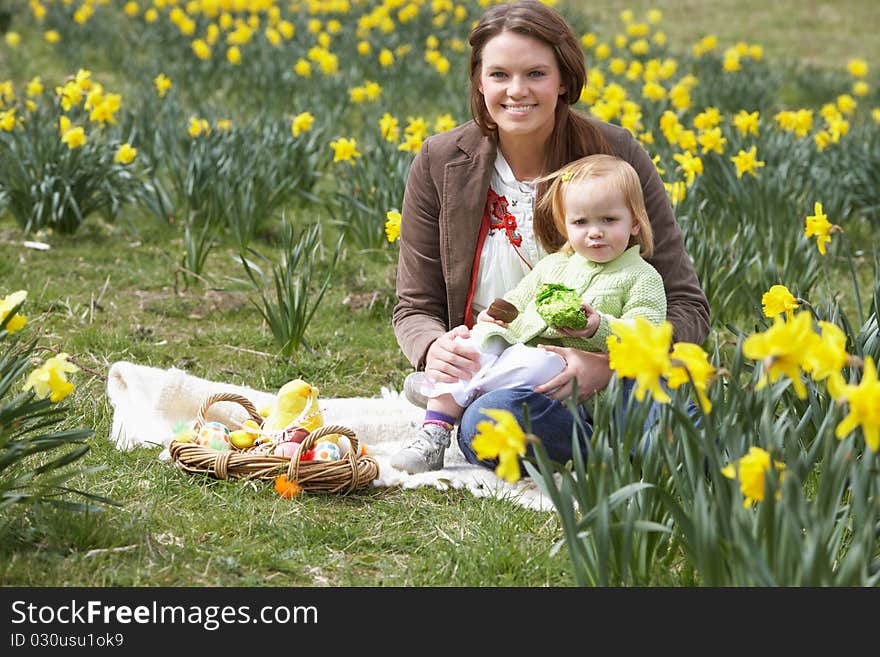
619, 174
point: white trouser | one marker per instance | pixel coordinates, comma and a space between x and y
501, 366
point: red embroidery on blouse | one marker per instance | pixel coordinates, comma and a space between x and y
500, 218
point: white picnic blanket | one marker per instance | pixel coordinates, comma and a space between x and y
148, 402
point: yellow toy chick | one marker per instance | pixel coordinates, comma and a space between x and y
296, 403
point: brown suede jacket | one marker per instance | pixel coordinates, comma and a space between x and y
442, 212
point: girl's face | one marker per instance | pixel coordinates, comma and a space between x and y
598, 220
521, 84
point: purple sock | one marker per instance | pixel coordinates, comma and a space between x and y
436, 417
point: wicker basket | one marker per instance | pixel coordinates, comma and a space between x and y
342, 476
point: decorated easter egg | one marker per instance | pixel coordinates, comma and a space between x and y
287, 449
327, 451
241, 438
245, 437
213, 435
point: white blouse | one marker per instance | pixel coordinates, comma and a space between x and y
510, 248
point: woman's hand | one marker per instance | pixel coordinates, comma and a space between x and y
449, 360
590, 369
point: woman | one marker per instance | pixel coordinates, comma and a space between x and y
470, 230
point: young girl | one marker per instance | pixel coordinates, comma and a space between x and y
597, 206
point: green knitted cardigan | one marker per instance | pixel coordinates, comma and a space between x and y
623, 288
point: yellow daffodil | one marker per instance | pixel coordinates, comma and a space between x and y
731, 62
50, 379
201, 49
7, 305
302, 68
52, 36
444, 122
392, 225
74, 138
712, 140
198, 127
689, 165
676, 191
846, 104
746, 123
747, 162
863, 402
301, 123
416, 126
411, 144
861, 88
344, 150
858, 68
13, 39
233, 55
389, 128
778, 300
8, 120
639, 350
818, 226
782, 348
827, 358
125, 154
654, 91
34, 87
163, 84
504, 440
708, 118
751, 470
687, 357
386, 57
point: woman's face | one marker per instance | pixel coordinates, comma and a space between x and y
521, 84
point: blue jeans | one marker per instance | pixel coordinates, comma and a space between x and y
550, 419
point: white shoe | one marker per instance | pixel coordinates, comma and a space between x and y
424, 453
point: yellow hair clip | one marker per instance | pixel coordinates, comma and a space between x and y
566, 176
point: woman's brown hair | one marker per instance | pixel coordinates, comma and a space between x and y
574, 136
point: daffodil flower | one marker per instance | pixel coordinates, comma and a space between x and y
392, 225
7, 305
639, 350
778, 300
783, 347
503, 440
751, 471
863, 403
50, 379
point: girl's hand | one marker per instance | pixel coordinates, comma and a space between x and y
449, 360
589, 369
484, 316
593, 319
